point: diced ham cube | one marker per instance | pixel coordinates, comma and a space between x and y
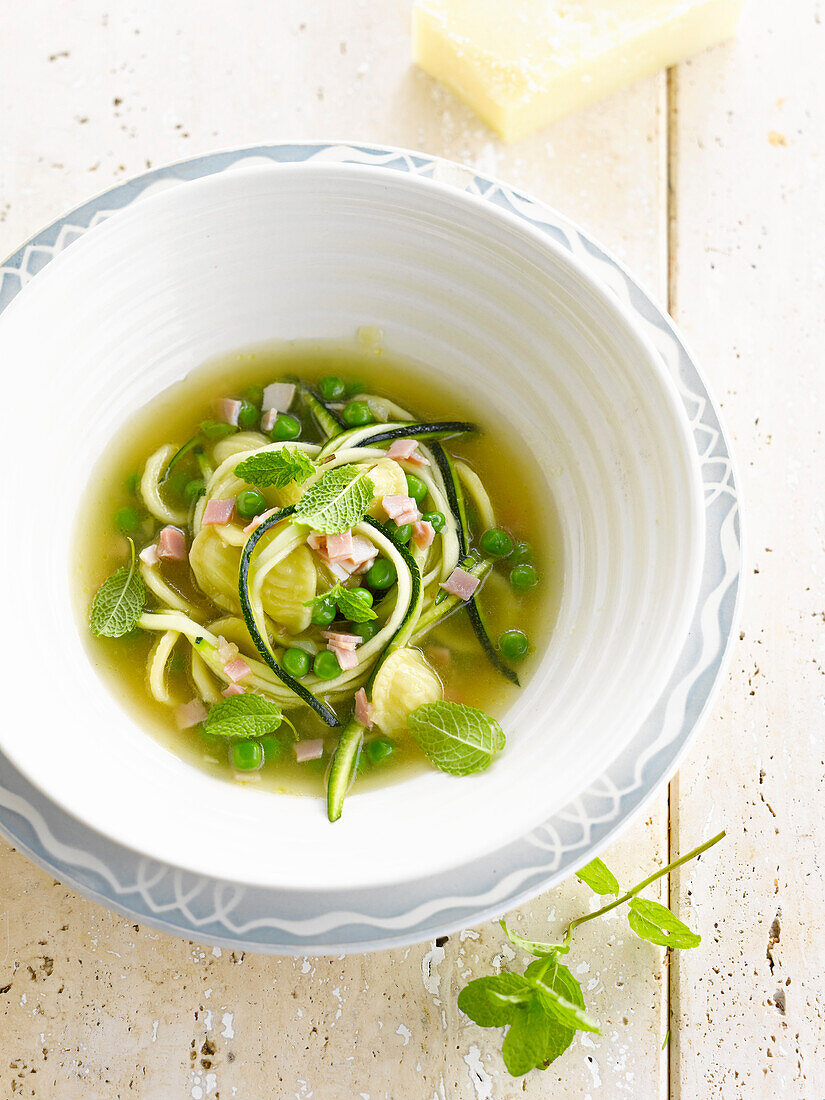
413, 516
232, 689
268, 419
172, 544
316, 541
339, 546
363, 708
218, 513
190, 714
309, 750
338, 570
255, 523
228, 410
237, 669
460, 583
407, 450
149, 555
423, 534
362, 550
278, 396
339, 640
396, 506
347, 658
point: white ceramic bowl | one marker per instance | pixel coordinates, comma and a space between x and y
317, 250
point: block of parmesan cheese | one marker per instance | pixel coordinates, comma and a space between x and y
521, 64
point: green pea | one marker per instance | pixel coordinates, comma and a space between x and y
132, 483
248, 416
272, 747
381, 574
296, 662
193, 489
437, 519
325, 666
513, 645
416, 488
285, 427
404, 532
522, 552
523, 577
331, 388
496, 542
254, 395
323, 611
249, 503
356, 414
379, 749
365, 630
246, 756
362, 594
127, 520
216, 429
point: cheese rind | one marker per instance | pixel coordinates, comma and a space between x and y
523, 64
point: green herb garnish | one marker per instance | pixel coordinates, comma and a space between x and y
276, 468
119, 602
243, 716
351, 605
456, 738
544, 1007
336, 502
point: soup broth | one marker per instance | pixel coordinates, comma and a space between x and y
519, 591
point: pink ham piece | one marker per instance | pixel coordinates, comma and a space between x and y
228, 410
149, 555
254, 524
407, 449
363, 708
268, 420
423, 534
218, 513
339, 546
237, 669
342, 641
189, 714
338, 570
347, 658
309, 750
172, 544
278, 396
316, 541
398, 506
460, 583
232, 689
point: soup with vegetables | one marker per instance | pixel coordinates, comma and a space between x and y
312, 567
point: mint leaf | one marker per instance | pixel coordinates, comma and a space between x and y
562, 981
598, 876
487, 1001
350, 604
276, 468
456, 738
119, 602
534, 947
527, 1040
654, 922
337, 501
243, 716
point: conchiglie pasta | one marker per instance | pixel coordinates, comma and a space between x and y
404, 681
388, 479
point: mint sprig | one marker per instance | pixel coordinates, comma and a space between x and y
348, 602
456, 738
337, 501
276, 469
119, 602
544, 1008
243, 716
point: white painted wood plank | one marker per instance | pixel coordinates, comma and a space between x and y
750, 284
91, 98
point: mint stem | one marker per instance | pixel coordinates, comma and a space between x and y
641, 886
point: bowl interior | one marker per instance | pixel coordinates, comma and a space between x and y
313, 251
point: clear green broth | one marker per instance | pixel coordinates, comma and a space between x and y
520, 501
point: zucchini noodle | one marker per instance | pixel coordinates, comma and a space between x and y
203, 679
233, 445
158, 659
477, 493
150, 487
164, 592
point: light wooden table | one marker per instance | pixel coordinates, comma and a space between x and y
709, 181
